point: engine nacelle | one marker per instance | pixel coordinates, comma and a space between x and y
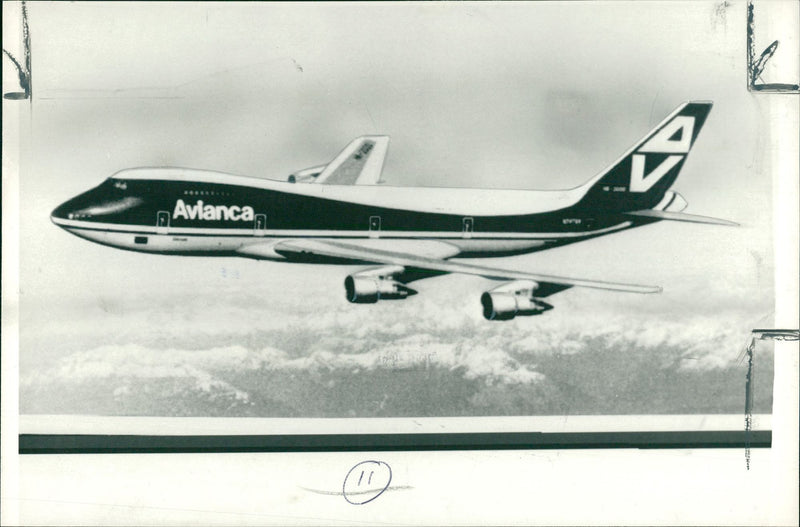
512, 299
368, 287
307, 175
505, 306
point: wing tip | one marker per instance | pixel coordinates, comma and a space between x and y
645, 289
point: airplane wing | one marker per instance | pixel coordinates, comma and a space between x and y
360, 163
349, 251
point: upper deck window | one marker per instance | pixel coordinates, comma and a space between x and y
193, 192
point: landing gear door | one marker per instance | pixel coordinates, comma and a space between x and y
162, 222
261, 224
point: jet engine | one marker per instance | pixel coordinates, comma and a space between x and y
367, 287
512, 299
307, 175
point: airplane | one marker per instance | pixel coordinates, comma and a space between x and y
338, 213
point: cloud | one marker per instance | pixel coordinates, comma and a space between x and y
244, 352
208, 344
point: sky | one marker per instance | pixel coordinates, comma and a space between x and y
500, 95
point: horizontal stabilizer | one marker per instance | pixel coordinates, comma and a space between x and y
681, 216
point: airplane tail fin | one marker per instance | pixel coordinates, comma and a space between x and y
360, 163
640, 179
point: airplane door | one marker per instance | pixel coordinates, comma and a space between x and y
374, 226
468, 227
261, 224
162, 222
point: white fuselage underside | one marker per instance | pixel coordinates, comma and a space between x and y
226, 241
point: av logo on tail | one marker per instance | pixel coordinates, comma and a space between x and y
674, 138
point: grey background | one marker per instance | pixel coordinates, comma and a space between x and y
515, 95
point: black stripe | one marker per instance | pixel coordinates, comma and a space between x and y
117, 444
285, 210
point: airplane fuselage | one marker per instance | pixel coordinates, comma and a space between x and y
187, 212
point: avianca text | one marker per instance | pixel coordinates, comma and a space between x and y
201, 211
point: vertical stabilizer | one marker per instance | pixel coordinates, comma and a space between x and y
360, 163
641, 177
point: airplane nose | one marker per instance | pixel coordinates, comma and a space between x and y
93, 205
67, 210
60, 212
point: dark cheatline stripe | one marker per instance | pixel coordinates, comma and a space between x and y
117, 444
286, 210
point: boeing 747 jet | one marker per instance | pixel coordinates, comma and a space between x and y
338, 213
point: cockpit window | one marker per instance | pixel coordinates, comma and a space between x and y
114, 186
